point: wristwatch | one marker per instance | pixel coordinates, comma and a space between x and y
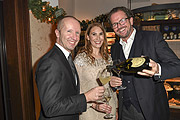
157, 77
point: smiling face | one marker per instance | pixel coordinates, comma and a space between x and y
96, 37
68, 33
122, 30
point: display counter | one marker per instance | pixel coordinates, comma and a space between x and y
172, 87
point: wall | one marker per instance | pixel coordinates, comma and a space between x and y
68, 6
88, 9
41, 38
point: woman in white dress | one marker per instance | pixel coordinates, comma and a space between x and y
92, 58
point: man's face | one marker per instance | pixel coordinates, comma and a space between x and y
69, 34
121, 25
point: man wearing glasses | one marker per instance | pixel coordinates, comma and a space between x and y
145, 96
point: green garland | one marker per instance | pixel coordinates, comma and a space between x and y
44, 12
101, 19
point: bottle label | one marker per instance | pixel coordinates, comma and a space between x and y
137, 62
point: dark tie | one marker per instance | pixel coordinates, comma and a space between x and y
72, 67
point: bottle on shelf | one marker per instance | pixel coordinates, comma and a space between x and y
132, 65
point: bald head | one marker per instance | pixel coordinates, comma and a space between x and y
64, 19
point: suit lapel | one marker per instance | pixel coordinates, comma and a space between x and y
119, 54
67, 65
136, 49
122, 57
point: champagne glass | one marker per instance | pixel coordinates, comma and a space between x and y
107, 95
117, 71
103, 78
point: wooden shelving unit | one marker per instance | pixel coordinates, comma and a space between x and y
173, 80
177, 40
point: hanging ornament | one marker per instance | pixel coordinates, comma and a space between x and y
43, 8
49, 19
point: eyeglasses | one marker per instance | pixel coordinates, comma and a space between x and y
121, 22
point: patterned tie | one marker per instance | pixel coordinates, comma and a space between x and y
72, 67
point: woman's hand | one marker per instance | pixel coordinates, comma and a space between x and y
102, 107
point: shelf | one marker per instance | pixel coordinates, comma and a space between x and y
174, 106
177, 40
160, 22
173, 80
156, 7
157, 12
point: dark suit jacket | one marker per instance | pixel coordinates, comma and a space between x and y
59, 95
150, 93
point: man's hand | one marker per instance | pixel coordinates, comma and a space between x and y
150, 73
115, 81
95, 94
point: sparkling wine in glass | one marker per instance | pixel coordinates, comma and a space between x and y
103, 78
117, 71
107, 95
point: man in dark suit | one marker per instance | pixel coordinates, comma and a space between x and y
57, 79
145, 96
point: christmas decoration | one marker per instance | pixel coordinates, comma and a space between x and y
44, 12
101, 19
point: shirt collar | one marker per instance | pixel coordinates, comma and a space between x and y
66, 53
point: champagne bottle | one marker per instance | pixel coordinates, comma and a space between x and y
133, 65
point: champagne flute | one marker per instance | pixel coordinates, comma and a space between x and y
115, 70
107, 96
103, 78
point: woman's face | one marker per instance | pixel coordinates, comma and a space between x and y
96, 37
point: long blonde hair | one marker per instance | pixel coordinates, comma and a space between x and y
88, 47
